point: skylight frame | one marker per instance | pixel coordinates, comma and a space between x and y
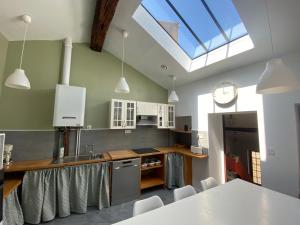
201, 43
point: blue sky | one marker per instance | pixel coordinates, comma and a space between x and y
198, 18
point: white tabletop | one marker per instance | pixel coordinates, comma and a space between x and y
234, 203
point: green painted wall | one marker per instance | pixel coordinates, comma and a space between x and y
98, 72
3, 51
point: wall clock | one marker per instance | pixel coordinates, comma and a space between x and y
225, 93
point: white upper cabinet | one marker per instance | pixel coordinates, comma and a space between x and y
146, 109
166, 116
122, 114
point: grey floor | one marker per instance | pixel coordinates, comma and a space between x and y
113, 214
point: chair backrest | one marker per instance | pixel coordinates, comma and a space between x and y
208, 183
183, 192
146, 205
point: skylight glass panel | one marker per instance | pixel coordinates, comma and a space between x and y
174, 26
201, 23
228, 18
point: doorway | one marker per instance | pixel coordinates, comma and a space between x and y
241, 147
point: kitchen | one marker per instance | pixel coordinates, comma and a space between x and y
103, 126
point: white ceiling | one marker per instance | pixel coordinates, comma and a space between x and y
56, 19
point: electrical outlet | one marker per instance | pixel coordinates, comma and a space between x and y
89, 127
271, 151
128, 131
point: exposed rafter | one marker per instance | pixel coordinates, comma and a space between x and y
104, 13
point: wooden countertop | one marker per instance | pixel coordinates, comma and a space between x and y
10, 185
21, 166
125, 154
122, 154
183, 151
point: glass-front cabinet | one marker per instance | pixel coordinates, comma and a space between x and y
166, 116
122, 114
171, 116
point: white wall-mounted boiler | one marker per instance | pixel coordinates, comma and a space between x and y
69, 106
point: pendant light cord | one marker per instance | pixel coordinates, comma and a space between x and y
23, 46
173, 83
123, 56
269, 26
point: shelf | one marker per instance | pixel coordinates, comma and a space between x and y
151, 167
181, 131
150, 181
241, 129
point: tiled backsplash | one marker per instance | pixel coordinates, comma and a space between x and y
33, 145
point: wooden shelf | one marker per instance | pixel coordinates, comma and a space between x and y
181, 131
150, 181
152, 167
10, 185
241, 129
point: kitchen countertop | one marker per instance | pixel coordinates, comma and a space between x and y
21, 166
183, 151
10, 185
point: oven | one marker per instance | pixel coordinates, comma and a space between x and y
2, 138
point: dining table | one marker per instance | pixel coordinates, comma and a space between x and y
234, 203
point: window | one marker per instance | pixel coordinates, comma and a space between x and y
198, 26
196, 33
256, 168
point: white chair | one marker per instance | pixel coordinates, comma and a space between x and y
184, 192
146, 205
208, 183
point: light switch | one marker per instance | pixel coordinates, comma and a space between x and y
271, 151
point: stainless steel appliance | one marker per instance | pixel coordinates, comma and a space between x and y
2, 139
125, 180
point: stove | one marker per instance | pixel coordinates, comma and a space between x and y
144, 150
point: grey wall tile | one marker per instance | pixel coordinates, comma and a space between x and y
33, 145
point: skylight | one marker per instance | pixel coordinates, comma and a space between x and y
198, 27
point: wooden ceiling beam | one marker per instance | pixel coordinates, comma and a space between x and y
104, 13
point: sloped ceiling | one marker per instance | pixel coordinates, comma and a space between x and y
56, 19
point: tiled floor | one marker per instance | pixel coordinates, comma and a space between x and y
110, 215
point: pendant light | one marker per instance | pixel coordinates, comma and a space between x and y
277, 77
18, 78
173, 96
122, 86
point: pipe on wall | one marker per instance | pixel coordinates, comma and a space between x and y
67, 61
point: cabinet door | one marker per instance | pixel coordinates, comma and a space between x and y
117, 114
171, 116
160, 114
130, 115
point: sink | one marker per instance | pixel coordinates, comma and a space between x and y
78, 158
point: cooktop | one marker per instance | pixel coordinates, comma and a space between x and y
144, 150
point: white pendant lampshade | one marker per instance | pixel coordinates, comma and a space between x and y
277, 78
18, 78
173, 97
122, 85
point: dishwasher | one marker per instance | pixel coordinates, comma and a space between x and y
125, 180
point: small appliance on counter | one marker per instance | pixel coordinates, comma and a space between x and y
7, 159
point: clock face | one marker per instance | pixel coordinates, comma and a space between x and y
225, 93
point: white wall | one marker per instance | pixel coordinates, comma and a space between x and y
276, 121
